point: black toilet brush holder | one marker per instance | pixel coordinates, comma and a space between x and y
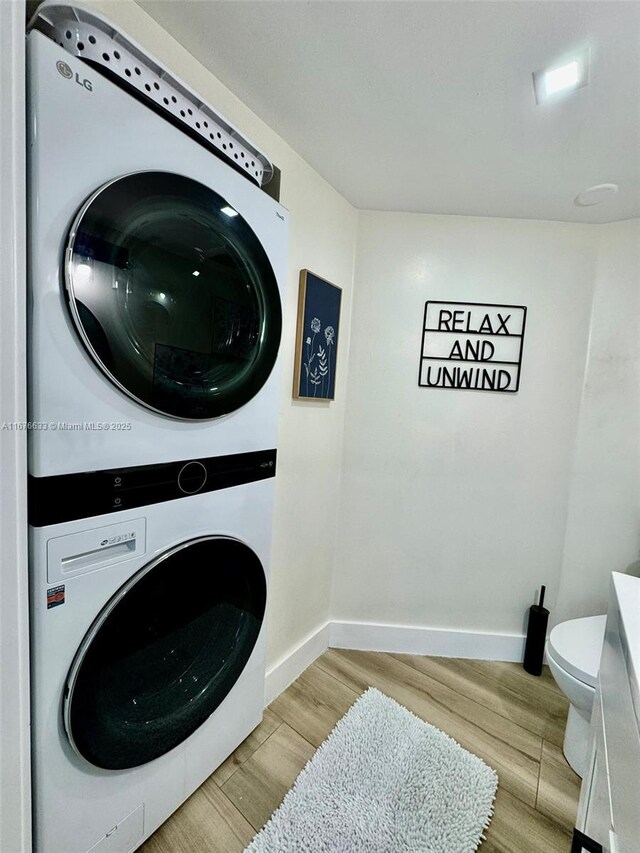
536, 636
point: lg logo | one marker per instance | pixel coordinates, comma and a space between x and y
64, 69
67, 73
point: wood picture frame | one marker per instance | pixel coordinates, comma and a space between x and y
317, 334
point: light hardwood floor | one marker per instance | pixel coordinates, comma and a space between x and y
512, 720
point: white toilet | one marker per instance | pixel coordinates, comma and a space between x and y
573, 654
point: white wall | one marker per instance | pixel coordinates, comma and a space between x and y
603, 525
454, 503
322, 238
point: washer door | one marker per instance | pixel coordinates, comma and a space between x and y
164, 652
173, 295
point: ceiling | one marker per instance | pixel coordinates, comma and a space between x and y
429, 106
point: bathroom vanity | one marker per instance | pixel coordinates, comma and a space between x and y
609, 811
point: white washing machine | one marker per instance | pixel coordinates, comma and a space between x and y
155, 318
148, 647
156, 268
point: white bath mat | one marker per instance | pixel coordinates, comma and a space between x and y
384, 781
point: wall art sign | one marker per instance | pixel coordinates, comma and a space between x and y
472, 345
314, 375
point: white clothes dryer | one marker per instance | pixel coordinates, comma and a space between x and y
156, 273
148, 645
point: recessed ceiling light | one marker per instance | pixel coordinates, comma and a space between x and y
562, 78
565, 77
196, 272
229, 211
594, 195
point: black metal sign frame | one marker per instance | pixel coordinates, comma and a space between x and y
484, 328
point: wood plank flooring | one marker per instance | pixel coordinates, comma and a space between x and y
512, 720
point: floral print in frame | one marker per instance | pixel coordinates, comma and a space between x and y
317, 338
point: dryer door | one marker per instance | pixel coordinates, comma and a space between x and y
164, 652
173, 295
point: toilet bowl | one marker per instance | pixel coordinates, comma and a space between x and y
573, 654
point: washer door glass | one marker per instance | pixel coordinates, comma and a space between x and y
164, 653
173, 295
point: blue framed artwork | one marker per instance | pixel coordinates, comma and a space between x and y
314, 376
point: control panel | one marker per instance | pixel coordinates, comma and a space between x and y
67, 497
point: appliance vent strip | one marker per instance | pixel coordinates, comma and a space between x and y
90, 37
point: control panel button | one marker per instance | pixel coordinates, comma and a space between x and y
192, 477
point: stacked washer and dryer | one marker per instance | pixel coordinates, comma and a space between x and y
156, 270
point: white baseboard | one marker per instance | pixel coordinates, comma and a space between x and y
439, 642
294, 663
404, 639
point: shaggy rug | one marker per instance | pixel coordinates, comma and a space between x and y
384, 781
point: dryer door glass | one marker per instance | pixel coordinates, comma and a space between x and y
164, 653
173, 295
